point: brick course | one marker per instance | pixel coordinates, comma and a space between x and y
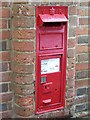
5, 62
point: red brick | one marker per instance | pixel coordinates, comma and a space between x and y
23, 10
72, 10
5, 13
6, 77
23, 79
23, 89
24, 111
85, 4
71, 43
83, 12
23, 34
71, 73
71, 53
5, 34
23, 68
71, 63
6, 4
23, 46
3, 24
7, 97
7, 114
5, 56
80, 83
24, 58
23, 22
82, 31
82, 66
84, 21
70, 93
24, 101
81, 49
71, 83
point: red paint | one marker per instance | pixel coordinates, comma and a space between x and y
51, 45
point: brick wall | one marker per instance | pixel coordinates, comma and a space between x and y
23, 45
82, 58
5, 61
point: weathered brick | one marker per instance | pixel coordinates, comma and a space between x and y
84, 4
71, 63
70, 93
72, 10
23, 78
24, 111
6, 77
3, 107
24, 58
23, 46
3, 46
71, 43
4, 87
6, 114
6, 4
81, 74
5, 56
84, 21
7, 97
70, 101
24, 89
6, 66
80, 107
71, 83
80, 100
5, 34
3, 24
23, 68
83, 12
23, 10
82, 49
83, 39
23, 22
5, 12
24, 101
81, 91
72, 21
82, 66
71, 73
82, 30
72, 32
71, 53
23, 34
83, 57
80, 83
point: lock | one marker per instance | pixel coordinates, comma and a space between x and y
51, 48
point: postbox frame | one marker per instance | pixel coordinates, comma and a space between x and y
43, 54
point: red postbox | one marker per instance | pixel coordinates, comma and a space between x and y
51, 47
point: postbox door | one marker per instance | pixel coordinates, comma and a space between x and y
50, 83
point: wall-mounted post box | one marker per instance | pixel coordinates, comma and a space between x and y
51, 46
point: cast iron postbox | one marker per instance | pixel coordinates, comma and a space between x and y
51, 46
